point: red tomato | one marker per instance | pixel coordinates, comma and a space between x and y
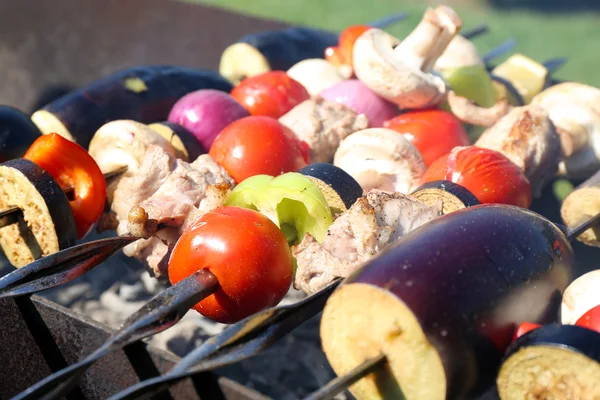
258, 145
71, 166
433, 132
347, 39
524, 328
488, 174
247, 253
271, 94
590, 319
334, 56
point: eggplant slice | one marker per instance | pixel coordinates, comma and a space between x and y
453, 196
187, 148
45, 224
17, 133
552, 362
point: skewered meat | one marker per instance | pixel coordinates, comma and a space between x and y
529, 139
376, 220
173, 193
323, 125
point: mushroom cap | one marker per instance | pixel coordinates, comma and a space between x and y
380, 158
574, 108
383, 71
461, 52
315, 74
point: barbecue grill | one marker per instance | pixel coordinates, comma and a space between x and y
73, 42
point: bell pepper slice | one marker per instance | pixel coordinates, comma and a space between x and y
291, 200
72, 167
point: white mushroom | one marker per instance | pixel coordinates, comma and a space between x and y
402, 74
575, 110
461, 52
580, 296
528, 138
380, 158
316, 74
124, 143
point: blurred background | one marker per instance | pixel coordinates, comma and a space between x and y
543, 28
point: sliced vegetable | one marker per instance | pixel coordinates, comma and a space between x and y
292, 201
526, 75
17, 132
205, 113
472, 82
433, 132
452, 196
343, 190
252, 262
271, 94
144, 94
72, 167
258, 145
488, 174
581, 296
183, 141
258, 53
46, 223
552, 362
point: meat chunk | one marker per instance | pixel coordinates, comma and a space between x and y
529, 139
375, 221
173, 193
323, 124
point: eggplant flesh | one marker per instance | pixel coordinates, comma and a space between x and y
339, 180
46, 224
449, 294
552, 362
17, 133
145, 94
184, 143
453, 196
273, 51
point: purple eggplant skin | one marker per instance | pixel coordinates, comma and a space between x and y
461, 192
193, 147
85, 110
339, 180
464, 276
17, 133
576, 338
286, 47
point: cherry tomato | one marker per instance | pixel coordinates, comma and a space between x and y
71, 166
488, 174
334, 55
245, 251
258, 145
271, 94
347, 39
433, 132
524, 328
590, 319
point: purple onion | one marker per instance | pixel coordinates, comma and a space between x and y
205, 113
357, 96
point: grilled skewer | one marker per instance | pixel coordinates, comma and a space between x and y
372, 364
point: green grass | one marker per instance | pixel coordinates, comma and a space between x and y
539, 36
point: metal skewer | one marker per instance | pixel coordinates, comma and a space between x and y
157, 315
389, 20
12, 215
341, 383
475, 31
